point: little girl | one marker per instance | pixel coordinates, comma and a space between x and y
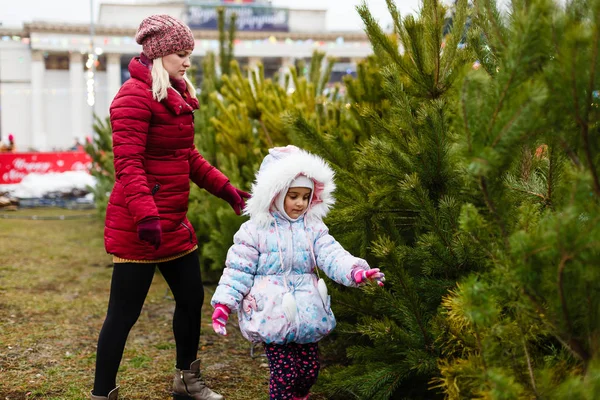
271, 278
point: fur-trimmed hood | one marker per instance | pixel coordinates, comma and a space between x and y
278, 169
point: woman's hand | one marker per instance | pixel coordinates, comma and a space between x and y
234, 196
149, 230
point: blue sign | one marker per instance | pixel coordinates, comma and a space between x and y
249, 18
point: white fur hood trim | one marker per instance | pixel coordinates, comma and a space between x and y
279, 168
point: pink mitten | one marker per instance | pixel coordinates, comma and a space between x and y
219, 319
373, 274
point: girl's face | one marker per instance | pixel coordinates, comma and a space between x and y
296, 201
177, 63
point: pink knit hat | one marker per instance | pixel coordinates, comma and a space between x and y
161, 35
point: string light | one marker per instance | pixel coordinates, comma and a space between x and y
89, 64
66, 43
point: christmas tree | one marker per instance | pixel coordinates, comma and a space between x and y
528, 124
476, 191
400, 191
102, 168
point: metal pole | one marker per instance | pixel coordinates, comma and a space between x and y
91, 79
0, 98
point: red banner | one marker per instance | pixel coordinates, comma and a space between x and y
15, 166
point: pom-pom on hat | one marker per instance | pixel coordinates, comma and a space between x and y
161, 35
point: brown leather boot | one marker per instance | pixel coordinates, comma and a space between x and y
112, 395
188, 384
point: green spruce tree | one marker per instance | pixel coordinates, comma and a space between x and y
100, 151
528, 121
486, 176
400, 188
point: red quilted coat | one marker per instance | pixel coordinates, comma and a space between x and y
155, 158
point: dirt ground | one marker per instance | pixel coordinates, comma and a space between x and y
54, 287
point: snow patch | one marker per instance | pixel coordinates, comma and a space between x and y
36, 185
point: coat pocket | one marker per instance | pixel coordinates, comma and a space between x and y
189, 231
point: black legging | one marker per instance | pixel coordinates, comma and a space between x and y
129, 287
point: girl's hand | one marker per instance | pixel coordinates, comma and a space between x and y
363, 275
219, 319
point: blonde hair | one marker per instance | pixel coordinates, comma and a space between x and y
160, 81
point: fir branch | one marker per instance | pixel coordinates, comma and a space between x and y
458, 28
541, 196
584, 129
538, 250
592, 313
592, 69
415, 311
393, 385
382, 43
415, 52
395, 15
588, 104
552, 325
425, 204
479, 346
230, 46
463, 102
590, 159
441, 259
325, 75
438, 46
221, 23
550, 180
529, 364
482, 50
269, 140
494, 212
570, 153
396, 210
574, 344
509, 124
569, 343
494, 17
301, 125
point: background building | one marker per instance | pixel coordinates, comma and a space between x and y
55, 76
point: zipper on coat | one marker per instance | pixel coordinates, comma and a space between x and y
291, 257
294, 326
189, 231
155, 189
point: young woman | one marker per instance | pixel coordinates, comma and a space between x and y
146, 225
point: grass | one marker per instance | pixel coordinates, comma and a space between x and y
54, 288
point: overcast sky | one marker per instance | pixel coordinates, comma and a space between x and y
341, 14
